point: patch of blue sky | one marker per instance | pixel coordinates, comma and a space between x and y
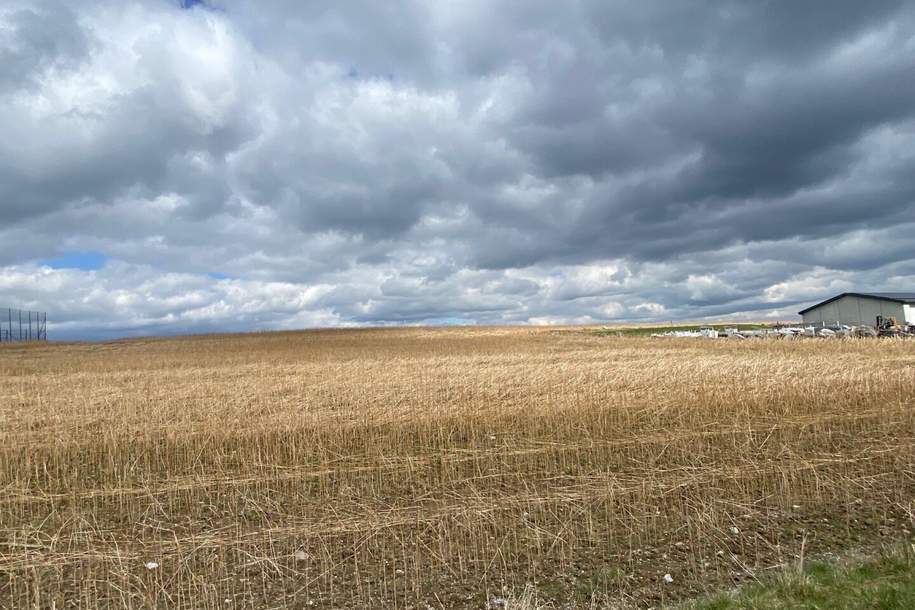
450, 322
354, 74
86, 261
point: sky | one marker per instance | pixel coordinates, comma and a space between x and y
173, 166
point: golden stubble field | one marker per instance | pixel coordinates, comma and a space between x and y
417, 468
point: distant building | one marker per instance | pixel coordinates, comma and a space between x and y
859, 308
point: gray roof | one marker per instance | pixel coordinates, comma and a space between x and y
897, 297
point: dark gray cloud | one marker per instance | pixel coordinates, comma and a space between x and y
281, 163
38, 38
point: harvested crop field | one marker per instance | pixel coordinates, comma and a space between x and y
416, 468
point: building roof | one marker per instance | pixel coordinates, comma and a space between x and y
896, 297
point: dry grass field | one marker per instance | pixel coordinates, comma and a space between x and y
417, 468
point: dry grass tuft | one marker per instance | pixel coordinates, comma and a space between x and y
417, 468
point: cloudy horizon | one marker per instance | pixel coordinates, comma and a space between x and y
182, 166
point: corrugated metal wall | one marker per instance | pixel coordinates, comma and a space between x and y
854, 311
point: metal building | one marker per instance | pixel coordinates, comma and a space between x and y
863, 308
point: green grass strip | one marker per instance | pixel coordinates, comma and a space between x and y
879, 583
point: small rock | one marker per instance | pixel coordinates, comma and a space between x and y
151, 565
734, 530
668, 578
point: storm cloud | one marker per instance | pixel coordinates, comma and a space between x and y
238, 165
